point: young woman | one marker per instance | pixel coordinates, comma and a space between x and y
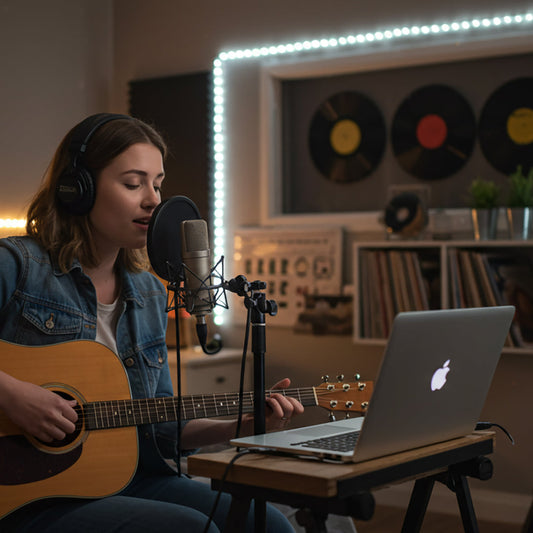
80, 274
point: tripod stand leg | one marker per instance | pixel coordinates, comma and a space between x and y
418, 505
468, 516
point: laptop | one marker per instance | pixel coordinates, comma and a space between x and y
432, 383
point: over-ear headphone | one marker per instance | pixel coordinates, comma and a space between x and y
76, 188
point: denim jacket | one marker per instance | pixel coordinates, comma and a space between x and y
41, 305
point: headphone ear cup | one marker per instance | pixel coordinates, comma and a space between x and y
75, 190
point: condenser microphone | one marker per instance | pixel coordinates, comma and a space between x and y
178, 248
196, 257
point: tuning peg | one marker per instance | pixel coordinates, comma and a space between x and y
357, 376
340, 377
325, 378
331, 417
361, 386
364, 405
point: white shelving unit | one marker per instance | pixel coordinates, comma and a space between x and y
390, 276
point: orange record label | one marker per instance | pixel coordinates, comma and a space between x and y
520, 126
345, 137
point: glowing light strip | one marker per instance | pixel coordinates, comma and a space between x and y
12, 223
219, 130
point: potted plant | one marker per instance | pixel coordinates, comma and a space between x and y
520, 204
484, 197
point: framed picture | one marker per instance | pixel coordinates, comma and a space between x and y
295, 190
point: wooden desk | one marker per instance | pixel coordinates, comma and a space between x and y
322, 488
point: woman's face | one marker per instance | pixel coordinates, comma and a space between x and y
127, 192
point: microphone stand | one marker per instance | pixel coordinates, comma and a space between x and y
259, 306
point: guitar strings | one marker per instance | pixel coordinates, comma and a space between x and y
127, 412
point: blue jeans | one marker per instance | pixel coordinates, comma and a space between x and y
165, 504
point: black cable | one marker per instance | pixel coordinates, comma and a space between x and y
243, 369
222, 480
178, 392
488, 425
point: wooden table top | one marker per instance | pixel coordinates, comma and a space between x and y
324, 479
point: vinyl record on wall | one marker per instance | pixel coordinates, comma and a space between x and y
506, 126
347, 137
433, 132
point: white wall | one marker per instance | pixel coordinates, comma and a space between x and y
56, 67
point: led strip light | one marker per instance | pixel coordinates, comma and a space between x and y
219, 131
12, 223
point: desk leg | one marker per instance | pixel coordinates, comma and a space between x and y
260, 516
418, 505
237, 515
468, 516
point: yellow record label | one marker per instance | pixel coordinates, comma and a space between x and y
520, 125
345, 137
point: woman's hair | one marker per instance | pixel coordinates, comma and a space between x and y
66, 236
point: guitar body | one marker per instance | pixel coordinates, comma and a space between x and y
101, 456
91, 464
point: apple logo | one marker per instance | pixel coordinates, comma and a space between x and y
439, 377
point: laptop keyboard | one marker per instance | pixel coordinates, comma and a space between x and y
344, 442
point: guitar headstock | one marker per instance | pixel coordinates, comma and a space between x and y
351, 397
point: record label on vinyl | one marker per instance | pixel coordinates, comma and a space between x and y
520, 126
347, 137
433, 132
506, 126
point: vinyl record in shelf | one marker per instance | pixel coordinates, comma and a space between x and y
506, 126
347, 137
433, 132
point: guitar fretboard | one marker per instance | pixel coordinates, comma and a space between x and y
122, 413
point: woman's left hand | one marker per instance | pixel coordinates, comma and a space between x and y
280, 408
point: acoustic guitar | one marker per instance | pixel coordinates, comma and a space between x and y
100, 457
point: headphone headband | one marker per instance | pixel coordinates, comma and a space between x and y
75, 190
86, 129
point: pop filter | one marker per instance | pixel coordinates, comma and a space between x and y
164, 236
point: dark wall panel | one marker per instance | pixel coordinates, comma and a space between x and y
178, 107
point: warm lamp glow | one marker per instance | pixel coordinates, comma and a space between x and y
12, 223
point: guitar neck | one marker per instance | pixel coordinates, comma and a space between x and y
122, 413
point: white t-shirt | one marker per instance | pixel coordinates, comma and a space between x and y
106, 324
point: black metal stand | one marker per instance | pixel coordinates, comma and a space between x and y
259, 306
455, 478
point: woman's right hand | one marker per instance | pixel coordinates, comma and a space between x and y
35, 410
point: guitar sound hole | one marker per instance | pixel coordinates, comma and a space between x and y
70, 437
